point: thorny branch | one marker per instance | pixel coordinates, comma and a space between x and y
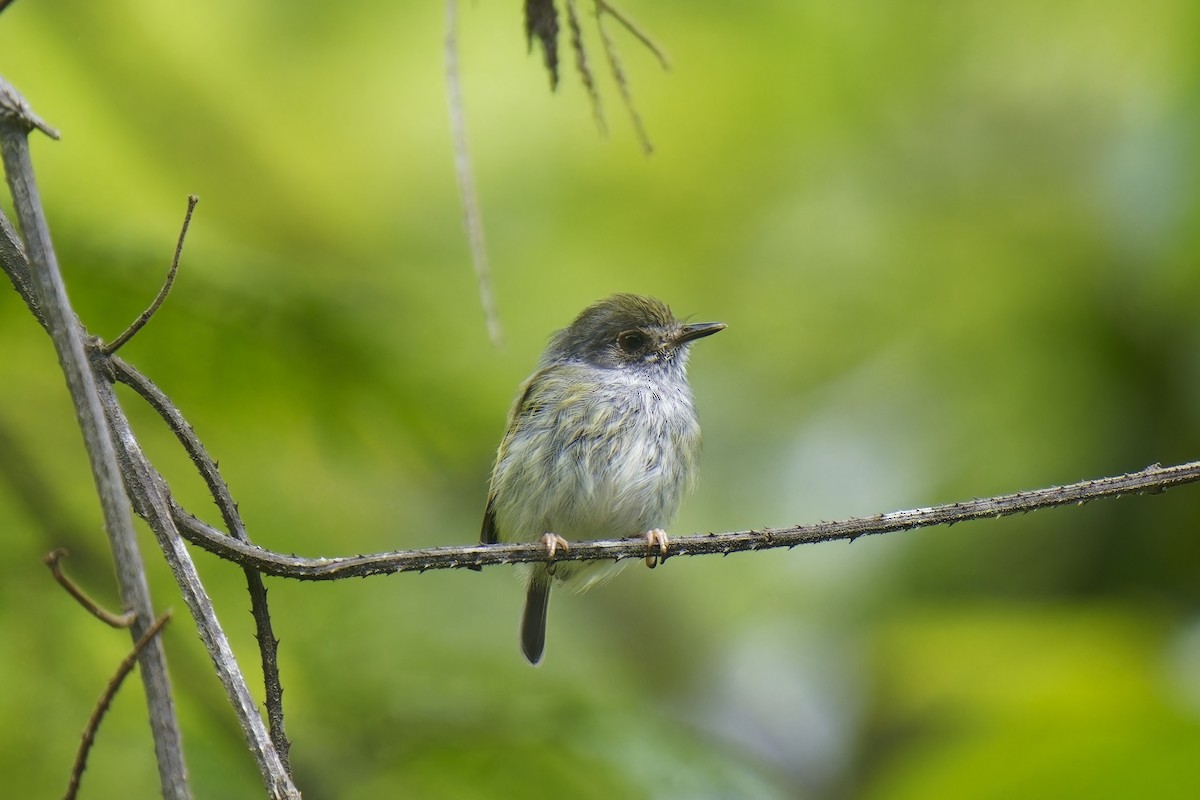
268, 645
151, 501
44, 281
116, 458
1151, 480
124, 373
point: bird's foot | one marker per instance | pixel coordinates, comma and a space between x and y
552, 542
656, 540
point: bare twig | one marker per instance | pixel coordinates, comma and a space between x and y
604, 7
145, 316
110, 691
16, 120
51, 560
472, 217
267, 643
1153, 479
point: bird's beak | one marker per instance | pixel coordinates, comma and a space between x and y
697, 331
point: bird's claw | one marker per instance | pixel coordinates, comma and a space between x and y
552, 542
656, 540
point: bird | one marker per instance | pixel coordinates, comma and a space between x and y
602, 441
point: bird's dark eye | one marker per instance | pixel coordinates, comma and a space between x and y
632, 341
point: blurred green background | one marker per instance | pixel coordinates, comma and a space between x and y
956, 246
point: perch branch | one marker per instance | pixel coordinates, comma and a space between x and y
1153, 479
110, 691
51, 560
16, 120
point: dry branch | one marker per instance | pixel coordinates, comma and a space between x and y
109, 439
16, 121
52, 560
1153, 479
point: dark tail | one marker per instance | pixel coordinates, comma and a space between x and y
533, 622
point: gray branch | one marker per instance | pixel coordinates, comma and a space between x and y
115, 454
1151, 480
50, 297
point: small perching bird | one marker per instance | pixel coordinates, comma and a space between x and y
603, 441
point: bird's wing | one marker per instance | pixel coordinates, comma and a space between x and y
488, 534
533, 398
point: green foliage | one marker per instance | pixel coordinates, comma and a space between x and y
956, 247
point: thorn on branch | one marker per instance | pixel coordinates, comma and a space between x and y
145, 316
51, 560
110, 691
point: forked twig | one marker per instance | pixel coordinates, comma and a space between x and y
145, 316
604, 7
110, 691
51, 560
